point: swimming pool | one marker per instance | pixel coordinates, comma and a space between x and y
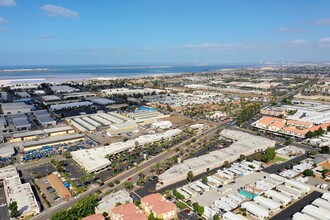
146, 108
247, 194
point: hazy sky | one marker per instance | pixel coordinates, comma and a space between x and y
163, 31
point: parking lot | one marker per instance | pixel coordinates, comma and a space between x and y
73, 170
4, 214
36, 172
46, 189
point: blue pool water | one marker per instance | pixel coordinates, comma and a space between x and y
247, 194
146, 108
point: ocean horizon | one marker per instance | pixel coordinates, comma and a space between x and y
53, 73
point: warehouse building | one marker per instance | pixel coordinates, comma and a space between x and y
72, 105
44, 119
93, 160
19, 192
127, 91
15, 108
53, 141
162, 125
92, 122
78, 95
23, 94
102, 101
6, 150
21, 124
32, 135
147, 117
57, 184
122, 128
63, 89
245, 143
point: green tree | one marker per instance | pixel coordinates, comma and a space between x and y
324, 173
83, 208
308, 172
128, 185
13, 209
242, 157
216, 217
325, 150
177, 195
151, 217
225, 164
105, 214
190, 176
204, 179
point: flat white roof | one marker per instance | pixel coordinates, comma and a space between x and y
94, 159
22, 194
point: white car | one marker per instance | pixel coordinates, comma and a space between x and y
3, 205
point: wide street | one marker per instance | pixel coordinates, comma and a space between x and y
132, 173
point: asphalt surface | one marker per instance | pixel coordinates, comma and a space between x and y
287, 213
4, 214
275, 168
132, 173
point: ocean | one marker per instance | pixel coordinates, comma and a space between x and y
19, 74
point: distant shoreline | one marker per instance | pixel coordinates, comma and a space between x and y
58, 74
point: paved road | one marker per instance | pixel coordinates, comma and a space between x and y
132, 173
287, 213
277, 167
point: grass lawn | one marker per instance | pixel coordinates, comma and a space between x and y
278, 159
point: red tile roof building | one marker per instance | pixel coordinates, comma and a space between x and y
94, 217
127, 212
159, 206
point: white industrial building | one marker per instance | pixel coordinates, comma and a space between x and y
72, 105
245, 144
93, 160
127, 91
122, 128
162, 125
147, 116
15, 108
102, 101
19, 192
92, 122
63, 89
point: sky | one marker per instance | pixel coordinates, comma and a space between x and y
56, 32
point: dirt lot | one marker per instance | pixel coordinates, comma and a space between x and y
179, 120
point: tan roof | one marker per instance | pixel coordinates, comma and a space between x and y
158, 203
94, 217
278, 124
300, 123
266, 120
128, 212
58, 186
295, 130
